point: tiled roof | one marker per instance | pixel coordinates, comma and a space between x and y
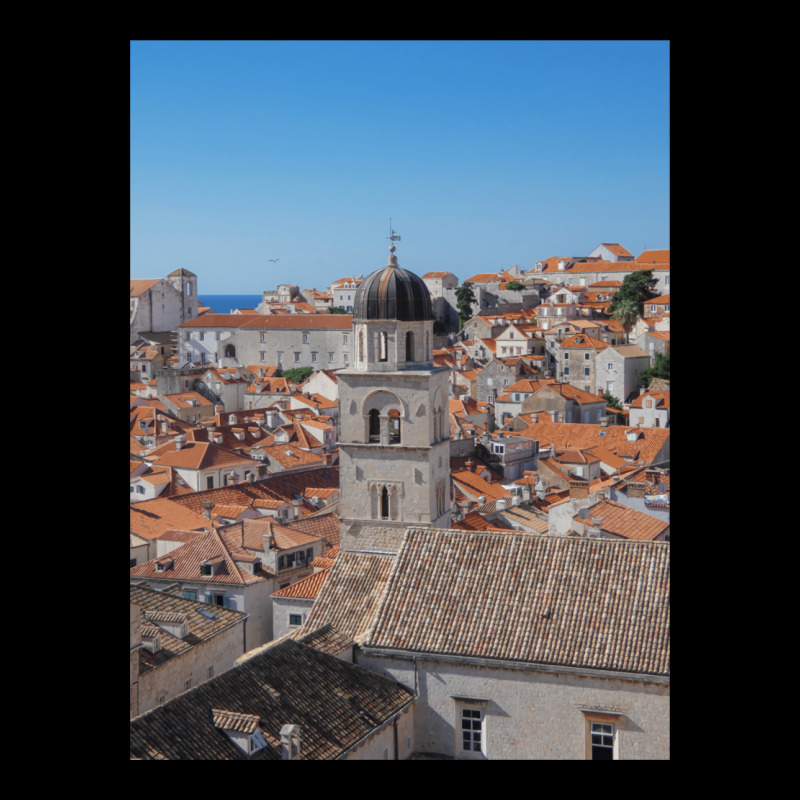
647, 446
159, 607
197, 456
306, 588
654, 257
350, 594
617, 249
141, 286
582, 340
151, 518
474, 486
626, 522
583, 603
187, 558
290, 321
335, 704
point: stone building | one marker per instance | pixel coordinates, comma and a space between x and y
162, 304
518, 646
319, 341
394, 437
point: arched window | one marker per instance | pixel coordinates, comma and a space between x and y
410, 346
230, 351
394, 426
384, 503
374, 425
383, 347
188, 289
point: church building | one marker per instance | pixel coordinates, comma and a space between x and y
394, 441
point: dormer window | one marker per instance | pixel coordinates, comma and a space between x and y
242, 729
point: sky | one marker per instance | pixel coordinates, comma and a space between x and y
256, 163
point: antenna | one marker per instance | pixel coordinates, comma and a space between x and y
393, 237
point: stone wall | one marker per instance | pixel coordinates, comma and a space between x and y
529, 714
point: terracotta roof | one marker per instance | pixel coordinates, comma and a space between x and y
583, 603
654, 257
289, 321
336, 704
618, 250
306, 588
649, 441
583, 340
187, 558
348, 600
158, 607
625, 522
151, 518
198, 456
141, 286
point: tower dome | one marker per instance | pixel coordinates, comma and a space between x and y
392, 293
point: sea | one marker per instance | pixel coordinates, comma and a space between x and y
225, 303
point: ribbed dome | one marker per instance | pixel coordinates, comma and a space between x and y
392, 293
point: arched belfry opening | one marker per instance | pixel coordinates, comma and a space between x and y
409, 345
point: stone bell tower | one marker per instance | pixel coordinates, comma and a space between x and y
394, 449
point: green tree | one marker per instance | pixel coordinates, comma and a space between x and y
613, 402
638, 286
515, 286
339, 310
627, 314
627, 305
297, 374
465, 299
659, 369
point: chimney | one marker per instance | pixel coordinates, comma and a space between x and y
207, 506
296, 513
180, 441
578, 489
290, 743
636, 489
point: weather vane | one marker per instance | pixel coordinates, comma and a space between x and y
393, 237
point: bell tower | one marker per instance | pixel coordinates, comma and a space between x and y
394, 449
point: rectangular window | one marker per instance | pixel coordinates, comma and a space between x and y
297, 358
471, 729
280, 357
346, 358
602, 741
313, 358
585, 356
566, 356
295, 619
330, 358
587, 371
187, 685
344, 339
262, 355
188, 594
305, 338
210, 672
566, 370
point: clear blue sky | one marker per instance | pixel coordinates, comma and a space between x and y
484, 154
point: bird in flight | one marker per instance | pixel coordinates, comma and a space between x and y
273, 260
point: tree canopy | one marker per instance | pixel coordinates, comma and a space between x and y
627, 305
297, 374
659, 369
465, 298
638, 287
